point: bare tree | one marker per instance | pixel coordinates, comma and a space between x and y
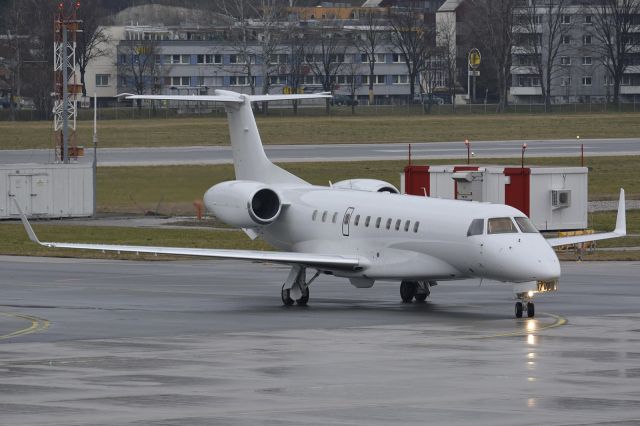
243, 35
542, 26
352, 71
372, 36
327, 57
138, 65
615, 24
270, 14
446, 48
493, 25
296, 67
414, 36
92, 41
15, 46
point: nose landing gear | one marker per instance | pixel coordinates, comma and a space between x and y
529, 307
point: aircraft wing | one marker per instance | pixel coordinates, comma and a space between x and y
619, 231
321, 261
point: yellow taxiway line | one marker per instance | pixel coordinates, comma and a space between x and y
558, 322
37, 325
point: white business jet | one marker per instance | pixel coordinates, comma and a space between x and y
363, 229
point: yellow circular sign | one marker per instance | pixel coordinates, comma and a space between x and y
474, 58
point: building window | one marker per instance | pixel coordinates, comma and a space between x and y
180, 81
565, 81
401, 79
238, 59
397, 58
241, 80
565, 39
587, 39
565, 19
588, 19
123, 58
586, 81
377, 79
177, 59
587, 60
278, 79
565, 60
209, 59
102, 80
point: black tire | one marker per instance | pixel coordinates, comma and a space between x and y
286, 298
304, 299
421, 297
518, 309
531, 310
408, 290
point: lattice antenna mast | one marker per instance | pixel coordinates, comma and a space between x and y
65, 29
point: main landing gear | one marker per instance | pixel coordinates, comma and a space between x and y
296, 288
418, 290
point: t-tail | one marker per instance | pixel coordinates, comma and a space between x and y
249, 159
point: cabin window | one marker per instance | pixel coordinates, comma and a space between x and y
501, 225
416, 226
398, 222
357, 220
525, 225
315, 215
378, 220
366, 221
324, 216
476, 227
406, 225
334, 218
389, 223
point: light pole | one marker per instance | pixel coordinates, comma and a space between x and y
468, 144
581, 152
524, 148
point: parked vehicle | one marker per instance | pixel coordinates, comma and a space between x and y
343, 100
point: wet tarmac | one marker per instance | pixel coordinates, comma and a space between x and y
207, 342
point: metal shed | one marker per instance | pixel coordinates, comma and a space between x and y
554, 198
46, 190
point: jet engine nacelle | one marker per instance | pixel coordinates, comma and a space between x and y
371, 185
244, 204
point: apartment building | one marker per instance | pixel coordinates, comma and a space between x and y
579, 73
199, 60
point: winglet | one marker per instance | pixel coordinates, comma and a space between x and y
27, 225
621, 219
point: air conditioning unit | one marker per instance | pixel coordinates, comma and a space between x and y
560, 198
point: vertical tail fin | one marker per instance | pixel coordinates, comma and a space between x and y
249, 158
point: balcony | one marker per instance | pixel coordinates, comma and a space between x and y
526, 91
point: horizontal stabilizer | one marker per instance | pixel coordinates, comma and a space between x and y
226, 96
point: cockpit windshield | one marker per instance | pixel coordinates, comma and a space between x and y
501, 225
476, 227
525, 225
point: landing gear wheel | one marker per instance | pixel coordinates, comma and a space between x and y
518, 309
421, 297
531, 309
286, 298
408, 290
305, 298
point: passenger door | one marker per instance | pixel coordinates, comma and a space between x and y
346, 220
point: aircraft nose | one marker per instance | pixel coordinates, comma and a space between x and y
546, 265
